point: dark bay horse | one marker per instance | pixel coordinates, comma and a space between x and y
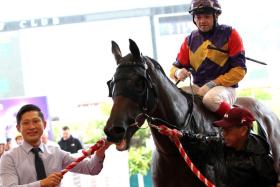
140, 86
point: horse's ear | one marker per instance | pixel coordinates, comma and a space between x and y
134, 49
116, 51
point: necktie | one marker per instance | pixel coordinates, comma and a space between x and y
39, 165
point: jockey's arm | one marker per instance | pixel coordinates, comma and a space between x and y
237, 61
230, 78
179, 74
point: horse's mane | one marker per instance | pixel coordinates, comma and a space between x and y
157, 65
191, 97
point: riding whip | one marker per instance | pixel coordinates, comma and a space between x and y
226, 52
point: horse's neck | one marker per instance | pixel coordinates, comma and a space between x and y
172, 106
175, 107
163, 144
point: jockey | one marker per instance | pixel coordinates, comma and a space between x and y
216, 73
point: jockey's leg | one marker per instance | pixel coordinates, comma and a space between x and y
220, 99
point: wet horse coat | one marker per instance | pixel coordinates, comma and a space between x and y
140, 86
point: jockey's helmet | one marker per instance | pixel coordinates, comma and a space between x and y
205, 6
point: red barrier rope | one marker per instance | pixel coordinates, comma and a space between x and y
87, 153
173, 135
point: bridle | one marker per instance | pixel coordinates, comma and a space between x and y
145, 96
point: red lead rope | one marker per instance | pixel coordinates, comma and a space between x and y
87, 153
173, 135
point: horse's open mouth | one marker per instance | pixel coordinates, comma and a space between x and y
122, 145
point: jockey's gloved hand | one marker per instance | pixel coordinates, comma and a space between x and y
182, 74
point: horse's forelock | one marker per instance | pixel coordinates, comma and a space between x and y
130, 60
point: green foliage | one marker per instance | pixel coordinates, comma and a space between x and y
140, 137
139, 160
258, 93
268, 96
94, 131
106, 108
139, 156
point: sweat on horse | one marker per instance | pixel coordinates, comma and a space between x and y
140, 86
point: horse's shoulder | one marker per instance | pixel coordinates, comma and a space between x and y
192, 97
201, 114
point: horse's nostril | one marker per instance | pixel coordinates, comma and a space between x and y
111, 139
118, 130
115, 134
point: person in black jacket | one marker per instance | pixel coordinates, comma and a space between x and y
68, 142
246, 158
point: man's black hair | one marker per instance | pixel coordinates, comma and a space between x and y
28, 108
65, 128
8, 140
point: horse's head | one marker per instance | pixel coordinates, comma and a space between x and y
132, 94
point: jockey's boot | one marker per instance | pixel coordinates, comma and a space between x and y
223, 108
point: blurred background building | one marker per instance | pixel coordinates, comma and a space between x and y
61, 50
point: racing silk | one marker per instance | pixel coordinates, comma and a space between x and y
225, 69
